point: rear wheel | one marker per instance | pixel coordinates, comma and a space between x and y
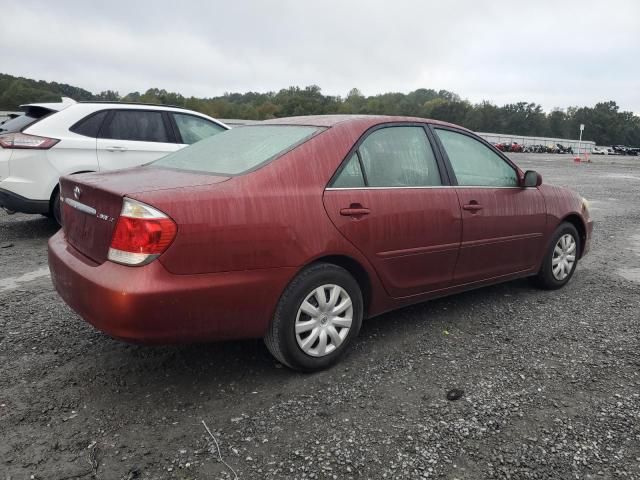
561, 259
317, 318
55, 212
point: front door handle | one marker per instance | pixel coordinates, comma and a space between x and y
354, 210
116, 149
472, 206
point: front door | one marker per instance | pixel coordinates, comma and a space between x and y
502, 222
392, 203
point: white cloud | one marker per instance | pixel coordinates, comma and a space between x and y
553, 53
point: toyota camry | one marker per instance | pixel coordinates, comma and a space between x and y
296, 229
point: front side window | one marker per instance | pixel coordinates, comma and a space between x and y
239, 150
475, 164
140, 125
193, 129
399, 157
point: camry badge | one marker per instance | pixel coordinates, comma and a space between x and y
77, 192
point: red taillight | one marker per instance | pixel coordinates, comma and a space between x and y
22, 140
141, 234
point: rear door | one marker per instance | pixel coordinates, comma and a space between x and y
130, 138
502, 223
391, 200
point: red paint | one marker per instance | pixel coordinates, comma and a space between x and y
241, 240
504, 235
411, 236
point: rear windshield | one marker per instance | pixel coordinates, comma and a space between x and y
238, 150
17, 124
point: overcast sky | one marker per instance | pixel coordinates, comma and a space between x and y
556, 53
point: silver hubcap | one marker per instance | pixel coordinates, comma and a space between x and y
324, 320
564, 257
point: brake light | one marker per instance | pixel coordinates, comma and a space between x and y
142, 233
22, 140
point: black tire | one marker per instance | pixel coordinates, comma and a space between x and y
545, 278
56, 209
281, 338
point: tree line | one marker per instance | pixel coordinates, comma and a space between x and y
605, 123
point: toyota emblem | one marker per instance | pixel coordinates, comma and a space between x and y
77, 192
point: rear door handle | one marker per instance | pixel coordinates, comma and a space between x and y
116, 149
472, 207
354, 211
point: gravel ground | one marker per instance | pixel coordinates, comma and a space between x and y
550, 380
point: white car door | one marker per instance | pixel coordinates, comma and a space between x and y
130, 138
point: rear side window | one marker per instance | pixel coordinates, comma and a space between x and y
351, 175
399, 157
475, 164
193, 129
140, 125
240, 150
90, 126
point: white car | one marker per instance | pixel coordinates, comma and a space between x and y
87, 137
600, 151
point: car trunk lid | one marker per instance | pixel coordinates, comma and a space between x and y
91, 203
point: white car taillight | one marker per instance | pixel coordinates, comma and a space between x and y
22, 140
141, 234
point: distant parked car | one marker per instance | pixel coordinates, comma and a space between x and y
600, 151
52, 140
296, 229
562, 149
624, 150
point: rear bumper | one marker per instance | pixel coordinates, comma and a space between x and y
17, 203
150, 305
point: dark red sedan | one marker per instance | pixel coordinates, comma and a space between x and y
296, 229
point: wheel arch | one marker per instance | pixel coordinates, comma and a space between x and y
356, 269
56, 187
577, 221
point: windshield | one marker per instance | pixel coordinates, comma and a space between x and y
238, 150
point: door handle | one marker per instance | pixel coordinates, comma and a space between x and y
354, 210
472, 206
116, 149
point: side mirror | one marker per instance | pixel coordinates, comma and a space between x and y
532, 179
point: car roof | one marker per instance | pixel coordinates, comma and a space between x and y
367, 120
134, 105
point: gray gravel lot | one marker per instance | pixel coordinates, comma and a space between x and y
551, 380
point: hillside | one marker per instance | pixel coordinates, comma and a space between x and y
605, 123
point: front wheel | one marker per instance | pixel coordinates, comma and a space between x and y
317, 318
561, 259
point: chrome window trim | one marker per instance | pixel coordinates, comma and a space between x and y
432, 187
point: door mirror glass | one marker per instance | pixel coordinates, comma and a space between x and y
532, 179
